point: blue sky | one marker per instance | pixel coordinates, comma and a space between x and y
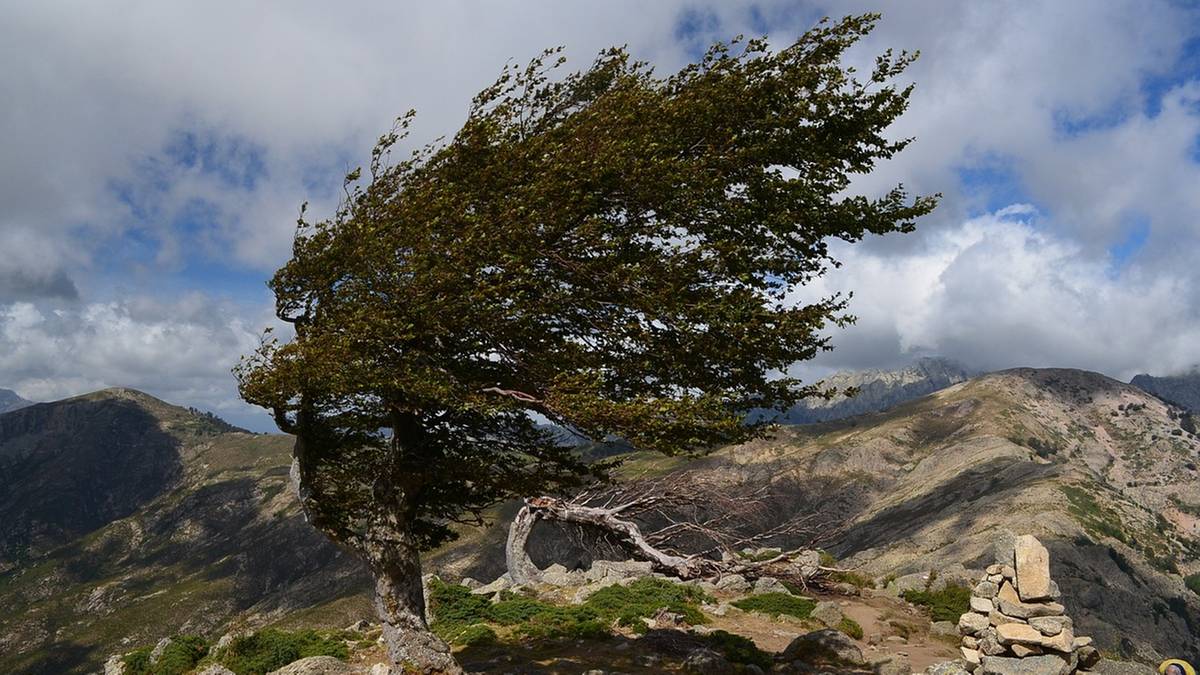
156, 157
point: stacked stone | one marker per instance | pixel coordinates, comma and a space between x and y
1016, 624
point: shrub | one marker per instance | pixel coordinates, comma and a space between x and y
851, 627
739, 649
177, 658
1193, 582
454, 604
946, 604
643, 598
516, 609
272, 649
478, 634
775, 604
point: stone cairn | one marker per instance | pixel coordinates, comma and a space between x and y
1017, 625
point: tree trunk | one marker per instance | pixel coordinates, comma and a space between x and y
400, 603
521, 569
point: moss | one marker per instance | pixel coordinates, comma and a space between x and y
851, 627
777, 604
946, 604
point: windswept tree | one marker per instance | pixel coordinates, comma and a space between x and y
609, 250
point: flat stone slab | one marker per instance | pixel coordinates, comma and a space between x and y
1033, 568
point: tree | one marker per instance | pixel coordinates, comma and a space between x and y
609, 251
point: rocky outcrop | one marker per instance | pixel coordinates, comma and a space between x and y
1182, 390
1016, 626
878, 390
9, 401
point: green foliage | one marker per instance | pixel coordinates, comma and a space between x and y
459, 616
271, 649
946, 604
179, 657
609, 250
1097, 520
739, 649
644, 597
851, 627
776, 604
1193, 582
476, 634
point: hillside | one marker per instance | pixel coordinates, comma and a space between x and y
1100, 471
9, 400
1182, 390
125, 519
877, 390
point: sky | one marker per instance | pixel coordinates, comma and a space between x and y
155, 155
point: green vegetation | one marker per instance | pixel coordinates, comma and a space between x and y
557, 207
847, 577
946, 604
739, 649
1193, 582
1096, 520
272, 649
777, 604
179, 657
851, 627
462, 618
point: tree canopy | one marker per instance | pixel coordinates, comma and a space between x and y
609, 251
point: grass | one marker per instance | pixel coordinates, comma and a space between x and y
461, 618
946, 604
179, 657
1097, 520
777, 604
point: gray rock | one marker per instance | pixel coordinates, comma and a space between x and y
618, 569
985, 589
1088, 657
908, 582
706, 661
831, 640
115, 665
770, 585
557, 575
828, 613
1051, 625
891, 664
733, 583
947, 668
981, 605
500, 584
216, 669
470, 583
158, 650
317, 665
1049, 664
972, 623
1033, 568
943, 628
1028, 610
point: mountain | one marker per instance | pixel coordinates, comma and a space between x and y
1100, 471
877, 390
124, 518
9, 401
173, 522
1182, 390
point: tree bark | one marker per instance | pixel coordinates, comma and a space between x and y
400, 603
521, 569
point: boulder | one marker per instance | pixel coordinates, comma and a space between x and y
216, 669
971, 656
891, 664
832, 641
317, 665
947, 668
981, 605
1088, 657
1048, 664
972, 623
618, 569
733, 583
770, 585
704, 661
943, 628
1051, 625
557, 575
1019, 633
985, 589
908, 582
500, 584
115, 665
1033, 569
828, 613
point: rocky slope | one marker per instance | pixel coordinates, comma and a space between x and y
9, 400
878, 390
124, 519
1100, 471
1182, 390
